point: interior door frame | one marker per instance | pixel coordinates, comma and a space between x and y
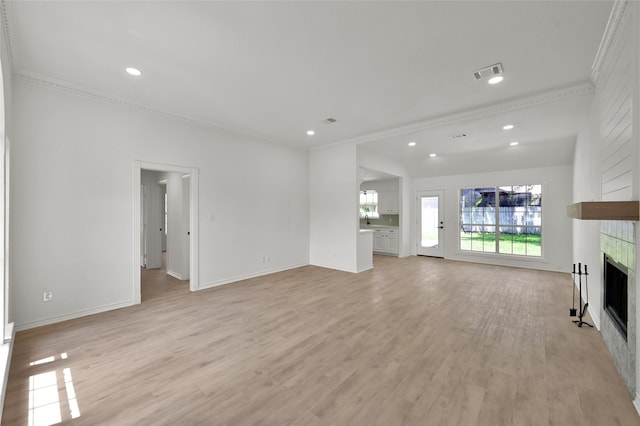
144, 208
138, 166
441, 216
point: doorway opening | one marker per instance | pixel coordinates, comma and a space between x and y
380, 210
165, 229
430, 216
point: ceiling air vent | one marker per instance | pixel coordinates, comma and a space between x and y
329, 120
488, 72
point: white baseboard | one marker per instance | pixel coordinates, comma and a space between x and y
595, 319
636, 403
321, 265
175, 274
73, 315
204, 286
505, 260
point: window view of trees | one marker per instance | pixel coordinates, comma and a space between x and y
505, 220
369, 204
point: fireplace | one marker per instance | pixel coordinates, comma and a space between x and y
615, 294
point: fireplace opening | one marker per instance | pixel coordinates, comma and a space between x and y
615, 293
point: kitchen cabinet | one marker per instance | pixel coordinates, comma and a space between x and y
385, 241
378, 241
388, 202
392, 242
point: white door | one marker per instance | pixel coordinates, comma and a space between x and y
186, 226
143, 225
430, 223
163, 216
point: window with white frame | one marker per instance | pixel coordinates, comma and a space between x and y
502, 220
369, 204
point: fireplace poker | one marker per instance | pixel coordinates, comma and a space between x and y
572, 310
586, 277
583, 309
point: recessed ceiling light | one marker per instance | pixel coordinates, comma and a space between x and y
134, 72
513, 143
432, 155
310, 132
508, 127
412, 144
495, 80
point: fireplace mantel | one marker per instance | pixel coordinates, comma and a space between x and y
605, 210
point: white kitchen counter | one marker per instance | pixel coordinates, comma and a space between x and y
365, 249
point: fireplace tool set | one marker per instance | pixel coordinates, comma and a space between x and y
582, 309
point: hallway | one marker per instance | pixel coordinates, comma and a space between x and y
156, 282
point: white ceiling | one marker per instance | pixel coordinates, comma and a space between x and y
389, 72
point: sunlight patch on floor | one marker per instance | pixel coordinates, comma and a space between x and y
44, 395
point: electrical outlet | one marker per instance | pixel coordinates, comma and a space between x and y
47, 296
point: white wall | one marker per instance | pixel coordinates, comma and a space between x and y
177, 226
635, 23
586, 187
334, 208
6, 332
75, 237
557, 229
388, 185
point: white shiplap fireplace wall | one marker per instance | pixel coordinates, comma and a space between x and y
615, 75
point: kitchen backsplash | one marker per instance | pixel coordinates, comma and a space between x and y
385, 219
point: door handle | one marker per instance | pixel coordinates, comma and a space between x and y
440, 227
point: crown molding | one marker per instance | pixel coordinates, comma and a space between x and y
6, 29
580, 90
50, 83
570, 92
619, 13
47, 82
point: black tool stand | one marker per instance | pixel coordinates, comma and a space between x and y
583, 308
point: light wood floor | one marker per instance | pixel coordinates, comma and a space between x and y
416, 341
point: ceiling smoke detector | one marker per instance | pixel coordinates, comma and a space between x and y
488, 72
329, 120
